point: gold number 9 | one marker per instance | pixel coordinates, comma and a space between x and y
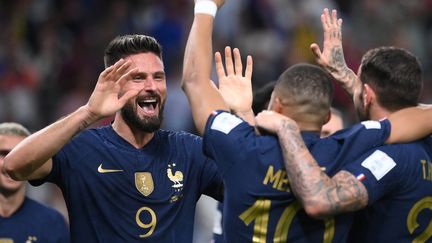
151, 225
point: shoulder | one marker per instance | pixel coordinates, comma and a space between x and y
42, 211
178, 136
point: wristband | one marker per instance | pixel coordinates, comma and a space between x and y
205, 7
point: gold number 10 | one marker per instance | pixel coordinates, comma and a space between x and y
260, 213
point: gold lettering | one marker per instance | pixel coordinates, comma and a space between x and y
283, 182
423, 162
272, 177
429, 177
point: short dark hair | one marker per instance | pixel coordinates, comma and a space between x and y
308, 87
126, 45
394, 74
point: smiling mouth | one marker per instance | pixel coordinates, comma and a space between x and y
149, 106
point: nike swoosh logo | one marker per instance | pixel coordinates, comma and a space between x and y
102, 170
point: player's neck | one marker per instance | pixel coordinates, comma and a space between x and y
135, 137
308, 126
9, 203
377, 113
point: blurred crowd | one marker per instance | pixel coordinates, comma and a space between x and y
51, 51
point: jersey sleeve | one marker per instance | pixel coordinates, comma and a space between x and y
365, 135
225, 139
380, 170
61, 163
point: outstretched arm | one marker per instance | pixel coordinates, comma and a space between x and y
31, 159
202, 94
332, 57
401, 129
320, 195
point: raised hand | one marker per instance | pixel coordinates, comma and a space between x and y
332, 58
107, 97
273, 122
235, 88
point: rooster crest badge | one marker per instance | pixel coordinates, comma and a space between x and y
176, 177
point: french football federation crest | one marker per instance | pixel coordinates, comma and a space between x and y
176, 178
144, 183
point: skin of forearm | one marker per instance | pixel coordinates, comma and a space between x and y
38, 148
320, 195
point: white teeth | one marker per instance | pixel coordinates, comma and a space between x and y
149, 101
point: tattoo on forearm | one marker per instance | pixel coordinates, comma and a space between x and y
339, 70
311, 185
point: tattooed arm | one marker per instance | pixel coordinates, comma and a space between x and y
320, 195
332, 57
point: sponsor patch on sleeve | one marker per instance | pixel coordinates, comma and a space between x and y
379, 163
225, 122
372, 124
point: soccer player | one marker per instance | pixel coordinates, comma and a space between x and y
21, 218
258, 205
128, 181
393, 182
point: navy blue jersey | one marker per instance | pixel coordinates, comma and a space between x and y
117, 193
34, 222
398, 179
258, 204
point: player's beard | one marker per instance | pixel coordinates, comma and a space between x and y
145, 124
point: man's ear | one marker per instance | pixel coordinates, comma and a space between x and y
369, 96
329, 115
277, 105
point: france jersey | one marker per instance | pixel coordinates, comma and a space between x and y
32, 223
117, 193
398, 179
258, 204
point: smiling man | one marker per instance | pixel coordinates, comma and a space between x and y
129, 181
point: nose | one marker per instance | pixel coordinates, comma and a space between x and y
149, 84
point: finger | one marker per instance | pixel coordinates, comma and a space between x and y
228, 61
110, 70
316, 50
334, 17
127, 96
220, 71
107, 71
121, 70
238, 62
326, 16
326, 28
249, 67
339, 23
127, 76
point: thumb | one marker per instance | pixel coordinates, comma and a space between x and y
316, 50
128, 95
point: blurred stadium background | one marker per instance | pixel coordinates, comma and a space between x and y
51, 50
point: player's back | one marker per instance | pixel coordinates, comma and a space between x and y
399, 186
258, 204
